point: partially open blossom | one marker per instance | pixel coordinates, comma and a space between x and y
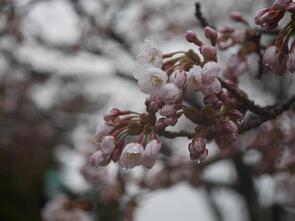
210, 72
150, 54
151, 79
132, 155
151, 153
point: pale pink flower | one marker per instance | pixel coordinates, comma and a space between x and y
107, 145
210, 72
150, 54
151, 153
132, 155
101, 131
195, 78
151, 79
170, 93
96, 159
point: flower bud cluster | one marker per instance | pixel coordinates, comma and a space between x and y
165, 77
280, 54
113, 145
268, 18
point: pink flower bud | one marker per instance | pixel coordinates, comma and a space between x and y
170, 93
259, 14
192, 38
132, 155
180, 79
168, 110
151, 153
235, 115
230, 127
170, 121
209, 52
96, 159
160, 124
210, 34
195, 78
291, 7
210, 99
210, 72
102, 131
213, 101
111, 114
213, 88
275, 59
153, 104
107, 145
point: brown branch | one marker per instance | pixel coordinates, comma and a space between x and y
276, 111
172, 134
199, 15
247, 104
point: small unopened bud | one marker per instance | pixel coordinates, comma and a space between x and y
210, 34
192, 38
209, 52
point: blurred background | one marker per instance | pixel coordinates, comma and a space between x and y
63, 63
